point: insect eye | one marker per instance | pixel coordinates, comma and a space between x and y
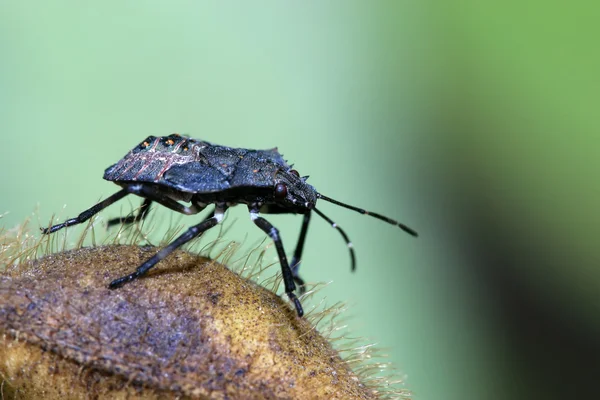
280, 191
294, 172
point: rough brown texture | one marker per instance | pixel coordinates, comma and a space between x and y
191, 328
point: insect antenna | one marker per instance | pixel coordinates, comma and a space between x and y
346, 238
372, 214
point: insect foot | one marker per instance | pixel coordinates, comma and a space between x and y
196, 331
172, 169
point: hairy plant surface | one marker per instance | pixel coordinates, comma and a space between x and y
191, 328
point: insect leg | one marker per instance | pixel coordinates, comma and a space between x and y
130, 219
188, 235
296, 259
288, 278
87, 214
159, 197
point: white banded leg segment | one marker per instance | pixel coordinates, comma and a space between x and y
286, 272
219, 214
185, 237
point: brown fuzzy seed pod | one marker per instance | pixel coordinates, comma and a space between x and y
190, 329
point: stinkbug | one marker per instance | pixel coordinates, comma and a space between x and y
171, 169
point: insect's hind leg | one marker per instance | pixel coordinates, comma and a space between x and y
188, 235
130, 219
288, 278
297, 258
89, 213
152, 194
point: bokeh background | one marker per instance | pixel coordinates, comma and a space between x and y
476, 124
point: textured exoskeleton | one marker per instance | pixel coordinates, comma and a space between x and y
172, 169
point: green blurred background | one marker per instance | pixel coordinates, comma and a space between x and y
476, 124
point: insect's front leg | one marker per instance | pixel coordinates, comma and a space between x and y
288, 278
188, 235
297, 258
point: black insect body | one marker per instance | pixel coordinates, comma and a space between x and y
172, 169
